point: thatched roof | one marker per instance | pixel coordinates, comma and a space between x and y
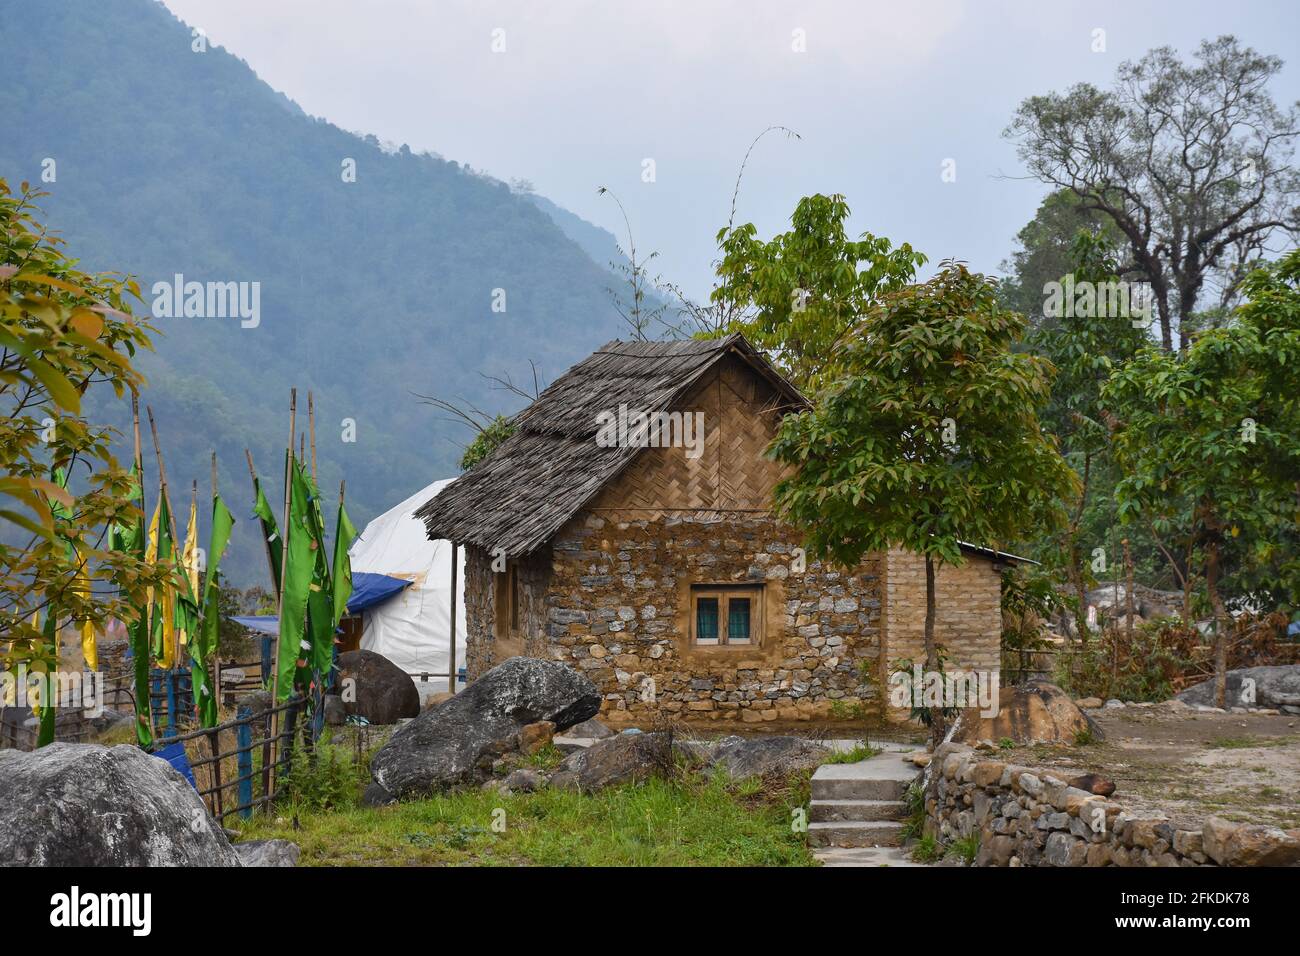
528, 487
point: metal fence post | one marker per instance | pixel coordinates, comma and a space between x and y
244, 760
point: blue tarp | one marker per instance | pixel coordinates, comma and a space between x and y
367, 591
269, 624
175, 755
370, 589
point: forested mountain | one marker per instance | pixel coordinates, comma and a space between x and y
168, 161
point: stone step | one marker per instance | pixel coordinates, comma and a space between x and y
855, 833
826, 811
889, 790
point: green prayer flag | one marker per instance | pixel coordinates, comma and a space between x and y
320, 602
299, 569
204, 644
344, 534
270, 532
130, 539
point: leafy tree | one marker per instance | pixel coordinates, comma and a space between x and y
928, 438
808, 287
1191, 162
1084, 345
63, 333
1207, 438
1046, 251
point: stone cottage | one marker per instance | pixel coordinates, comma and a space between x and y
626, 529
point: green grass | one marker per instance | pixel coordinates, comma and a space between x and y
699, 820
966, 848
861, 751
1237, 743
914, 825
927, 850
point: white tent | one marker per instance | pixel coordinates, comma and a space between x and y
413, 627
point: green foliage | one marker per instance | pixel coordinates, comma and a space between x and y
64, 334
329, 778
1207, 439
873, 468
966, 848
1029, 599
1142, 668
914, 801
928, 849
808, 287
1046, 250
486, 441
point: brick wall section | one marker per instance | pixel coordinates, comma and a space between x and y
968, 623
619, 604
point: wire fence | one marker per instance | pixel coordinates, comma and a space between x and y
237, 764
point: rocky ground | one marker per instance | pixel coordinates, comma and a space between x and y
1191, 763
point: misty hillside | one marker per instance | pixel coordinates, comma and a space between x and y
174, 162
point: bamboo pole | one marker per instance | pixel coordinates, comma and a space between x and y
279, 604
165, 496
144, 512
451, 656
215, 668
311, 432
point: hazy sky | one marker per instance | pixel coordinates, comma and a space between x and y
584, 92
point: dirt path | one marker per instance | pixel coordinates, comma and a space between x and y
1191, 764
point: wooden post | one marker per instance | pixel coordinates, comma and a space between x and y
147, 716
451, 653
166, 496
311, 432
214, 667
279, 604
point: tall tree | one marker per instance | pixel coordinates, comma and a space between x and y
1191, 162
929, 438
1084, 345
1207, 438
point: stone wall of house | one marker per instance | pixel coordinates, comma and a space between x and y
1024, 817
480, 612
968, 608
483, 647
619, 603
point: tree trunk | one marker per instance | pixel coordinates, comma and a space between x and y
937, 728
1220, 625
1076, 557
1081, 592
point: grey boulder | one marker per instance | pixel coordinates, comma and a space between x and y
268, 853
1277, 686
87, 805
624, 758
760, 756
380, 691
455, 743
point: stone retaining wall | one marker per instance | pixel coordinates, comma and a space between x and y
1024, 817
